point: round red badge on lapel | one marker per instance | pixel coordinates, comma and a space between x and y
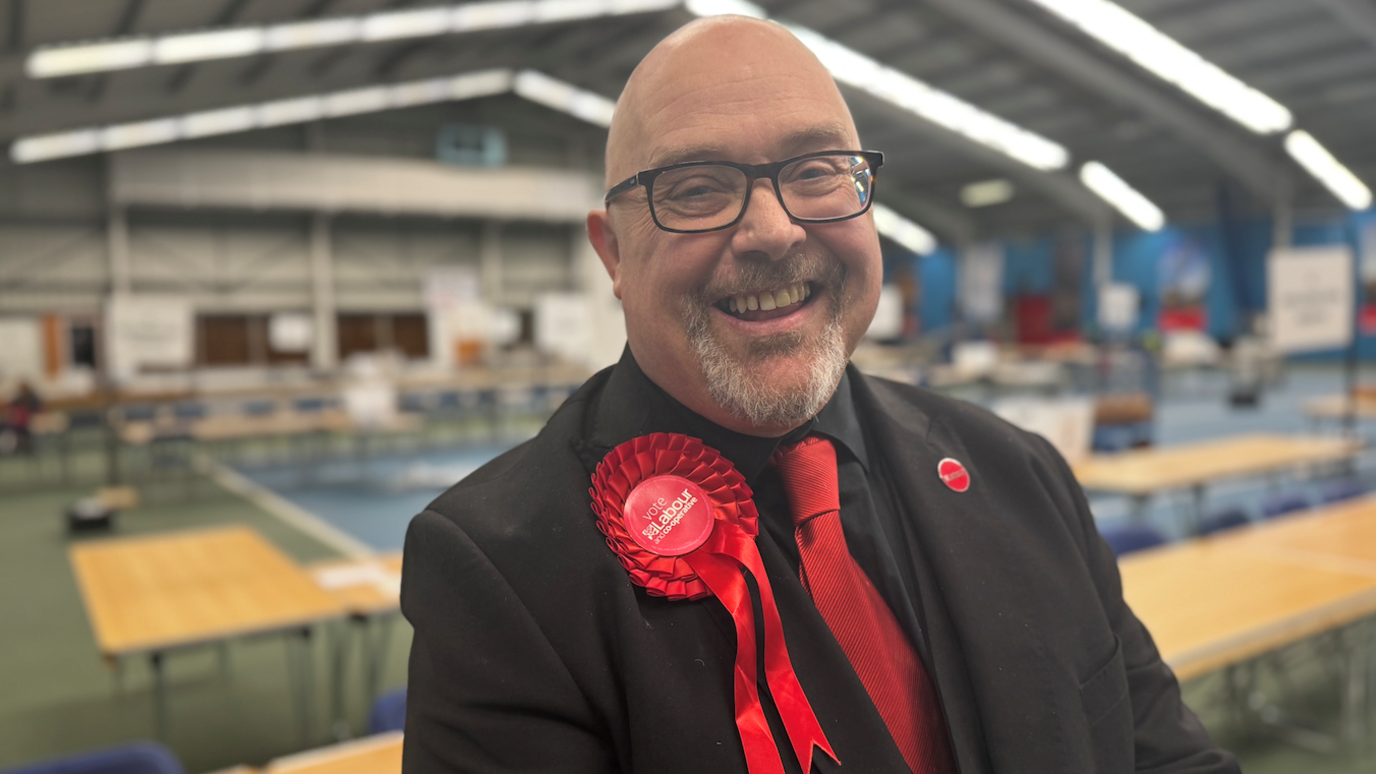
668, 515
953, 474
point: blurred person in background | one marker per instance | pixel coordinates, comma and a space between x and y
19, 415
782, 564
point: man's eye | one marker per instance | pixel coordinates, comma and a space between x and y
691, 189
817, 170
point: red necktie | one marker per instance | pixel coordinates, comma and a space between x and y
862, 622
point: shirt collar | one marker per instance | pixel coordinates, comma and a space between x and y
632, 405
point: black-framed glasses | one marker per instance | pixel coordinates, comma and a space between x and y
699, 196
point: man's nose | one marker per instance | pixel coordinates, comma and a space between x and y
766, 228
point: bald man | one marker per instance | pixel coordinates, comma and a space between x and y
946, 602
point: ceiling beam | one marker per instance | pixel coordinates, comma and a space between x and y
1236, 154
1358, 15
228, 14
15, 39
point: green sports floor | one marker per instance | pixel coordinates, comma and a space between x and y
235, 707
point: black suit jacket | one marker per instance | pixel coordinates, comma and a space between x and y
533, 651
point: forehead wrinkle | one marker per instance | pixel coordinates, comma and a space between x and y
833, 135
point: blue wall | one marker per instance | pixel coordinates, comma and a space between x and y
1236, 252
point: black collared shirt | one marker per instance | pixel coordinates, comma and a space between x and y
870, 516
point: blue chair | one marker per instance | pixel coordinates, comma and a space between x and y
1132, 537
1220, 521
310, 405
259, 408
1283, 503
140, 412
388, 713
134, 758
1343, 489
189, 409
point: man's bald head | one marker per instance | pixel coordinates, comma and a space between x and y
738, 91
704, 61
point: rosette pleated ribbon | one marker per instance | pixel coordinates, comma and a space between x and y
716, 567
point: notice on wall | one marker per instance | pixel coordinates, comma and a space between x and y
446, 287
291, 332
21, 355
1309, 298
1119, 307
888, 316
563, 325
148, 331
981, 283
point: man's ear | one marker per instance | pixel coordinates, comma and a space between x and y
604, 242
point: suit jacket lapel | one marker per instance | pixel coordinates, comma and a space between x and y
972, 549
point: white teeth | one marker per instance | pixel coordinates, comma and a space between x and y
768, 301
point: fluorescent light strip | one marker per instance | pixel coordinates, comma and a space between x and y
946, 110
1130, 35
903, 231
547, 91
1337, 178
81, 142
1124, 198
175, 48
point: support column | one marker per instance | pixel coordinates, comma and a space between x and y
324, 345
1103, 253
117, 250
1283, 216
490, 258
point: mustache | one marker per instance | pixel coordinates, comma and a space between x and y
757, 275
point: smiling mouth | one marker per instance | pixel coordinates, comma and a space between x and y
767, 304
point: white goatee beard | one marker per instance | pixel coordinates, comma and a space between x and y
734, 383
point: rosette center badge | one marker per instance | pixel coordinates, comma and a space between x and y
668, 515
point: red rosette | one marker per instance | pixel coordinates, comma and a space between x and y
675, 554
667, 454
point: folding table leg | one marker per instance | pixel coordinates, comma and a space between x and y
159, 694
1354, 700
377, 652
339, 652
301, 664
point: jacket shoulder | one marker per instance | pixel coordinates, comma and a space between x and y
929, 412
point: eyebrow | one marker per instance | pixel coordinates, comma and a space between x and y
796, 142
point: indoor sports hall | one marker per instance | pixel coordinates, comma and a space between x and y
277, 274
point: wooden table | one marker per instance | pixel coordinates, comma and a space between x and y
153, 594
363, 586
379, 754
1338, 407
1217, 602
1139, 473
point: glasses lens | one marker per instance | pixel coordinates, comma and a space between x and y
698, 197
827, 187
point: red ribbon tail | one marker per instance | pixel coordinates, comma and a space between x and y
804, 730
723, 577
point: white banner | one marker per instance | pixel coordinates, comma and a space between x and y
563, 325
981, 283
148, 330
1309, 298
291, 332
888, 316
21, 348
